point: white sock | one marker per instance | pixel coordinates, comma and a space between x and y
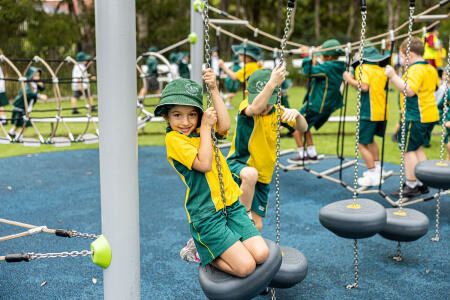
249, 214
411, 184
301, 152
12, 132
378, 166
419, 183
311, 150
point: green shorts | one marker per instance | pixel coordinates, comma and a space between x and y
3, 99
416, 135
314, 118
215, 234
17, 119
368, 129
261, 196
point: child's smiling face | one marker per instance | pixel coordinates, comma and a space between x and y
183, 118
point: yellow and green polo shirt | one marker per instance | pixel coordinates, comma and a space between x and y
325, 94
373, 101
203, 189
423, 80
249, 69
429, 51
254, 142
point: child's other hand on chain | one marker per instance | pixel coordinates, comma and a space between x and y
289, 114
277, 77
209, 117
210, 78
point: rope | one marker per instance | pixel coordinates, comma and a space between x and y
174, 46
24, 225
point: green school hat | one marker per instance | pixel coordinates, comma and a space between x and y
213, 49
286, 85
330, 44
371, 54
236, 59
180, 91
153, 49
251, 50
173, 58
31, 71
256, 83
81, 56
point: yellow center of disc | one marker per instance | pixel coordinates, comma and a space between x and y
442, 164
400, 213
282, 253
354, 206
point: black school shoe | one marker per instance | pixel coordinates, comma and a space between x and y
407, 192
424, 189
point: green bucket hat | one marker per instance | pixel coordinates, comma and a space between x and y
371, 54
81, 56
256, 83
31, 71
236, 59
330, 44
253, 51
153, 49
213, 49
173, 58
180, 91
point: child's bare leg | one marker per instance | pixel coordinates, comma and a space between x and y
373, 147
298, 138
421, 154
411, 160
367, 155
74, 100
258, 220
249, 177
309, 139
257, 248
236, 260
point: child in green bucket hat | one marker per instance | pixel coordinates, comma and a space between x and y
373, 107
248, 54
231, 243
253, 151
323, 99
151, 76
232, 86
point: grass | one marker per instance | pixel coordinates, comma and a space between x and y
153, 133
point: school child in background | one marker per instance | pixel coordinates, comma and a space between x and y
80, 81
250, 56
323, 99
441, 55
431, 42
183, 65
231, 243
33, 90
151, 78
173, 58
232, 86
373, 106
421, 112
3, 97
214, 61
253, 151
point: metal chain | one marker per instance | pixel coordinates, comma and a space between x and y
445, 109
358, 103
209, 104
84, 235
399, 253
355, 248
438, 209
402, 147
277, 162
62, 254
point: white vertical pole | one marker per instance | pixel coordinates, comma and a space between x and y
116, 69
197, 49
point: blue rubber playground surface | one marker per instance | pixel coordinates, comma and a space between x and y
62, 190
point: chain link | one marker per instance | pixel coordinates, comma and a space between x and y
209, 104
438, 209
84, 235
62, 254
403, 128
355, 248
445, 109
399, 253
358, 103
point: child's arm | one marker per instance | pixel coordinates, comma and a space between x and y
223, 119
260, 102
398, 81
227, 70
348, 77
290, 114
203, 160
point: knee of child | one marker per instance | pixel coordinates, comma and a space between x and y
246, 268
261, 255
249, 175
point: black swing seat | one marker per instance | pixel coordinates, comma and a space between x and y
220, 285
294, 267
61, 141
90, 138
30, 142
407, 227
433, 173
4, 140
362, 222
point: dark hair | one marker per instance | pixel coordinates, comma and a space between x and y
417, 46
330, 57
